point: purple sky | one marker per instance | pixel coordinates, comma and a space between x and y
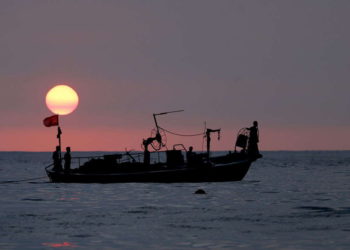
283, 63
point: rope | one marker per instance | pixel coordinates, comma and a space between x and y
4, 182
173, 133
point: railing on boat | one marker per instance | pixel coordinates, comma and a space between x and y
119, 158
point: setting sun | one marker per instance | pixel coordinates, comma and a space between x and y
62, 100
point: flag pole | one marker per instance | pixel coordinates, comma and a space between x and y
59, 132
54, 121
59, 138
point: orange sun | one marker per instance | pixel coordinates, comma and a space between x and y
62, 100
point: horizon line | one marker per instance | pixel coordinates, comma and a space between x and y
279, 150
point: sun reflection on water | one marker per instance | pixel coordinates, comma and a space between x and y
63, 244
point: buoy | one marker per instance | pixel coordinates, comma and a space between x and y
200, 191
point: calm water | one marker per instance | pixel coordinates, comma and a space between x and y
288, 200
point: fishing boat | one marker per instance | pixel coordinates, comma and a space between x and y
177, 164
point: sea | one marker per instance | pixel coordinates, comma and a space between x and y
288, 200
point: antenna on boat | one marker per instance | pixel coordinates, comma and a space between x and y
168, 112
207, 134
164, 113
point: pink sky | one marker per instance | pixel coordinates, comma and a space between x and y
283, 63
102, 139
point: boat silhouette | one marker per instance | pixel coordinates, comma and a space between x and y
166, 166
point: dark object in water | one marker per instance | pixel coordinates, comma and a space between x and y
200, 191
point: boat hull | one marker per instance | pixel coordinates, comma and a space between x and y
234, 171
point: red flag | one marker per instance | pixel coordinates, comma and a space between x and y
51, 121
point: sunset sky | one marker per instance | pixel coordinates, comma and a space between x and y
285, 64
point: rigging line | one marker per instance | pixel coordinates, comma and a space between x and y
180, 134
4, 182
